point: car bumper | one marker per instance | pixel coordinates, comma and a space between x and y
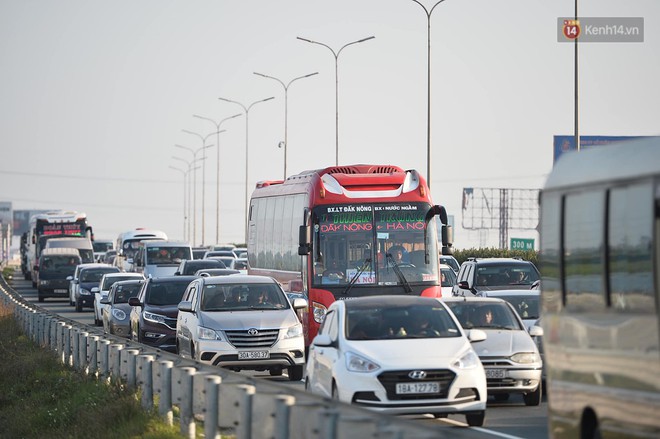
514, 380
466, 393
284, 353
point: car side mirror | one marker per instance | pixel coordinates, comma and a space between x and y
134, 301
69, 278
476, 335
463, 285
322, 340
299, 303
185, 306
95, 290
536, 331
105, 301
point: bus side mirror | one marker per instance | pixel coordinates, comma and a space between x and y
447, 239
303, 245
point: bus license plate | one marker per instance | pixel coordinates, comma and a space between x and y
253, 355
407, 388
495, 373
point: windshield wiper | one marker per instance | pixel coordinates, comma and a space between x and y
399, 274
367, 263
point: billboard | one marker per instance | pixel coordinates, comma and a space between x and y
22, 220
564, 144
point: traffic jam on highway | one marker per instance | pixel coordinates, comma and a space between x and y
465, 336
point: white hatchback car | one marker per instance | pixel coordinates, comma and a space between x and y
398, 355
241, 322
510, 356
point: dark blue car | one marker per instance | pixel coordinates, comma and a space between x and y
88, 279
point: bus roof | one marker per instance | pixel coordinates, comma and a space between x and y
59, 216
620, 161
142, 233
360, 181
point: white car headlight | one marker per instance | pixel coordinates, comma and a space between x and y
525, 357
468, 360
294, 331
357, 363
118, 314
207, 334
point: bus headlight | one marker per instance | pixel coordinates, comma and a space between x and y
319, 311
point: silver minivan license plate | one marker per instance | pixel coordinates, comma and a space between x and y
253, 355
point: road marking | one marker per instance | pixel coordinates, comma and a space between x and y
481, 429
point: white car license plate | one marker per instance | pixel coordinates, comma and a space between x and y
253, 355
428, 387
495, 373
60, 291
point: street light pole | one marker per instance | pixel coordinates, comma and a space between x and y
203, 139
184, 198
217, 188
286, 106
247, 121
336, 55
189, 164
195, 159
428, 88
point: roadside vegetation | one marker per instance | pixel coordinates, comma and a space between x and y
492, 252
40, 397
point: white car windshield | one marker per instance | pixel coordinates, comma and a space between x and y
242, 297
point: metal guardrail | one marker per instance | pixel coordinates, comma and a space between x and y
224, 402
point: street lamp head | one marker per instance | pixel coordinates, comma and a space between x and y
365, 39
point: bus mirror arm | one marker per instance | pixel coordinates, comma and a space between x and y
446, 243
303, 244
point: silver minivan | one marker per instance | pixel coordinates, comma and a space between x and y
241, 322
156, 258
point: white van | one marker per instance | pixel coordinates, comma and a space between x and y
156, 258
82, 244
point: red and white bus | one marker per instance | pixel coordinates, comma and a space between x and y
336, 233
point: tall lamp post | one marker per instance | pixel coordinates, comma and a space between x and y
428, 88
336, 55
189, 164
217, 188
286, 105
203, 139
195, 159
185, 175
247, 122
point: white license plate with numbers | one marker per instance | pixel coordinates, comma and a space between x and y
253, 355
408, 388
495, 373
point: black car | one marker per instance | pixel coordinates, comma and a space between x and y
90, 277
489, 274
154, 311
190, 266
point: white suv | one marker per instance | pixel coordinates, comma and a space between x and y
241, 322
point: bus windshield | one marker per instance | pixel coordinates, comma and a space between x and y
373, 244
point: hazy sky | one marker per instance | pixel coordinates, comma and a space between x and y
95, 94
